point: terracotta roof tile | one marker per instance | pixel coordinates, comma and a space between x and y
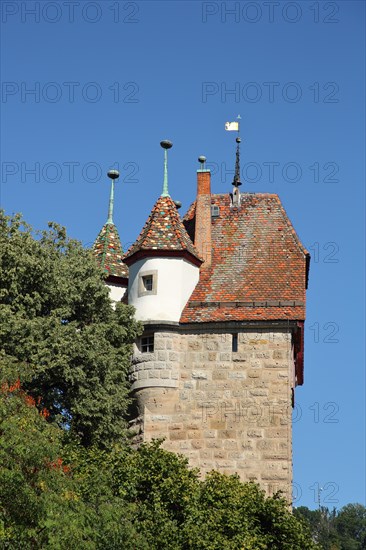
163, 231
108, 252
259, 266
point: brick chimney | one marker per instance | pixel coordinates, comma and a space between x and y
202, 237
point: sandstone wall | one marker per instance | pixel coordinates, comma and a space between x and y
224, 410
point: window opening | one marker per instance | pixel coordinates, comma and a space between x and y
234, 344
215, 211
147, 281
147, 344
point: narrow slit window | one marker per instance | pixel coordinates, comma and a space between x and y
147, 344
234, 343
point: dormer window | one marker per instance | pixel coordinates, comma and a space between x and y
148, 283
215, 211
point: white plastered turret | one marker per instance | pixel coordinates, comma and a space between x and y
172, 280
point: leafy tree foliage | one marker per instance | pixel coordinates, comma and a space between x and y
337, 530
59, 332
162, 504
38, 504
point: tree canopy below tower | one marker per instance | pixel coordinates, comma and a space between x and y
59, 333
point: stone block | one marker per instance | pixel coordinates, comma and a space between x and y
227, 434
220, 453
214, 444
206, 454
278, 354
217, 424
175, 426
231, 444
253, 373
209, 434
179, 434
154, 374
235, 455
276, 433
274, 476
224, 464
275, 456
159, 344
199, 375
219, 375
258, 392
194, 434
207, 464
265, 444
254, 433
236, 375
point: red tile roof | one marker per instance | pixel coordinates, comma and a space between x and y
108, 252
259, 266
163, 234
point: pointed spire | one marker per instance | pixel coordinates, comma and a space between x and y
165, 144
107, 247
236, 181
113, 175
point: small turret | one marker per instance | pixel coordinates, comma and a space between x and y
108, 251
163, 262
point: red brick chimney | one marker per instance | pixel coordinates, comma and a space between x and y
202, 237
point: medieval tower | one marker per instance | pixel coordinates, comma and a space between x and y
221, 295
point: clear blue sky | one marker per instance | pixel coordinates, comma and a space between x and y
113, 78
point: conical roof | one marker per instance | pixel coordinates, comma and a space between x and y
163, 235
108, 251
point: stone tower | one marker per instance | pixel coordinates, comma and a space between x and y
221, 295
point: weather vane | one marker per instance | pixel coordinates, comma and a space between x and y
230, 127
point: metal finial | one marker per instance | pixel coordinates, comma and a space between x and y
202, 161
113, 175
178, 204
166, 144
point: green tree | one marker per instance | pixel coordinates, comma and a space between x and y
39, 507
321, 523
350, 524
343, 529
60, 334
162, 504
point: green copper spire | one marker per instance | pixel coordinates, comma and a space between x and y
166, 145
113, 175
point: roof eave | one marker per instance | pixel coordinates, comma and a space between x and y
116, 279
162, 253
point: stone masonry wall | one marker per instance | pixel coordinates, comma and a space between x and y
224, 410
